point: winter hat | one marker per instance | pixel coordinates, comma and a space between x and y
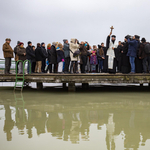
137, 37
42, 43
29, 42
8, 39
99, 46
113, 36
18, 42
54, 43
143, 40
65, 40
126, 37
21, 43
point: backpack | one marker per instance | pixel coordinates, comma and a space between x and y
147, 48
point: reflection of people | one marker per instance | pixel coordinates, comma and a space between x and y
9, 123
30, 122
20, 119
39, 122
110, 133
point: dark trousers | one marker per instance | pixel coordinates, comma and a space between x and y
84, 62
50, 67
16, 66
100, 63
7, 65
28, 68
145, 60
67, 63
43, 65
33, 66
73, 66
119, 64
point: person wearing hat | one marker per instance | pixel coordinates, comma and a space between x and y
111, 46
22, 56
132, 52
145, 57
8, 54
125, 64
16, 55
30, 55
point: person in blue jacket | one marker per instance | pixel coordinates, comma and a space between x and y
132, 52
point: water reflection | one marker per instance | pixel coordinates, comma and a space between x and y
72, 122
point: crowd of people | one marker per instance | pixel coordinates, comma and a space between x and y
131, 56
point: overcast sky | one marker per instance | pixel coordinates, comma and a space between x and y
87, 20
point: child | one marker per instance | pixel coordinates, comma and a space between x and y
93, 60
100, 57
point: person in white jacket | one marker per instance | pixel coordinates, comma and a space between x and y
74, 46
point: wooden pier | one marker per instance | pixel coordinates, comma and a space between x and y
85, 79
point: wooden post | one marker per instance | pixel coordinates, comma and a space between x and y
141, 85
39, 85
85, 85
71, 87
64, 86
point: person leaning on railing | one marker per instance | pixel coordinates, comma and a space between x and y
8, 54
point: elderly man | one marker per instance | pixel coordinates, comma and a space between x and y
8, 54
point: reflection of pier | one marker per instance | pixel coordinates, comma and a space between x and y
85, 79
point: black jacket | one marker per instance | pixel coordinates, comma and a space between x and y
44, 52
53, 55
39, 54
30, 53
60, 55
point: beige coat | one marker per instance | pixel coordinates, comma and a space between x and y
73, 47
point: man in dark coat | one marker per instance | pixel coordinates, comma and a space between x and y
67, 56
8, 54
44, 58
39, 57
125, 64
110, 59
132, 52
144, 56
53, 58
30, 55
118, 57
104, 49
138, 62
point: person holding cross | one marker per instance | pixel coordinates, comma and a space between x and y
111, 49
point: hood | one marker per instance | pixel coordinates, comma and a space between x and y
72, 40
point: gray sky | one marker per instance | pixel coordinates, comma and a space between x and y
87, 20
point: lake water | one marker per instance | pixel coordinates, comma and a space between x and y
52, 119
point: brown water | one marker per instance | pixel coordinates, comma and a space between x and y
53, 120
